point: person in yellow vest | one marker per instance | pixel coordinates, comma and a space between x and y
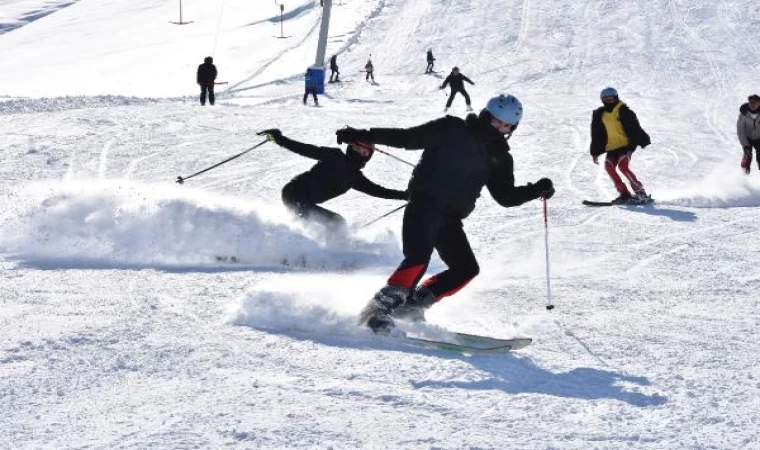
616, 132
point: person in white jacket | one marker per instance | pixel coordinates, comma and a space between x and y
748, 131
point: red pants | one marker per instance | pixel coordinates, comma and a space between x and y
615, 161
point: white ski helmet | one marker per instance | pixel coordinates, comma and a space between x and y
506, 108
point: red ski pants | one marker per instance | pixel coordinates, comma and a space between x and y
620, 161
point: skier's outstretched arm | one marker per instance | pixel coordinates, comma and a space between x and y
427, 135
363, 184
307, 150
468, 80
502, 187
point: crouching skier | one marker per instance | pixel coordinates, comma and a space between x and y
334, 174
459, 158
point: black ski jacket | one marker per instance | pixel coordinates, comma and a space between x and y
206, 74
334, 174
430, 57
456, 81
636, 135
459, 157
334, 63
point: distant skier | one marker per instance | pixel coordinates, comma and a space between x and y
459, 157
616, 132
430, 61
370, 69
332, 176
205, 78
456, 80
748, 131
334, 69
311, 87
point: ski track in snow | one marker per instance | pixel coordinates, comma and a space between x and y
121, 329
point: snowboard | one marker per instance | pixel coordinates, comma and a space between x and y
468, 343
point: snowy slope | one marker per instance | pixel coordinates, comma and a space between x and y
119, 329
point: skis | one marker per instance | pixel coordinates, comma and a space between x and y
632, 202
469, 343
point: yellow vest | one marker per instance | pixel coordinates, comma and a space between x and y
616, 137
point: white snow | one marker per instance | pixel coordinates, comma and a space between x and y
120, 329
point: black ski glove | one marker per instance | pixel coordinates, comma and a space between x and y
350, 135
271, 134
544, 188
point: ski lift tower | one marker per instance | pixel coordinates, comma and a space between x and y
317, 71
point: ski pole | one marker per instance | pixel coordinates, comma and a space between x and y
549, 304
384, 215
394, 157
181, 180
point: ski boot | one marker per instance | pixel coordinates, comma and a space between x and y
623, 199
469, 108
641, 198
377, 313
416, 305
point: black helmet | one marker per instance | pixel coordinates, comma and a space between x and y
208, 59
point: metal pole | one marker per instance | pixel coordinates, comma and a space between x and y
384, 215
181, 179
323, 31
549, 304
180, 12
282, 32
394, 157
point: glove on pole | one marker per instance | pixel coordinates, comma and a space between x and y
181, 180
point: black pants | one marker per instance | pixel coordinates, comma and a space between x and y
313, 93
453, 93
426, 228
747, 158
334, 72
300, 205
369, 75
210, 89
429, 67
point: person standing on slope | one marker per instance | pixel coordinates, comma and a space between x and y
334, 69
456, 80
459, 157
205, 78
311, 87
430, 61
748, 131
334, 174
370, 69
616, 132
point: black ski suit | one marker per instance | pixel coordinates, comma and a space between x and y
205, 78
457, 85
334, 174
334, 69
430, 61
459, 158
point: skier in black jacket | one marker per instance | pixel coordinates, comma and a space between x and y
334, 174
205, 78
334, 69
430, 61
459, 158
456, 80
